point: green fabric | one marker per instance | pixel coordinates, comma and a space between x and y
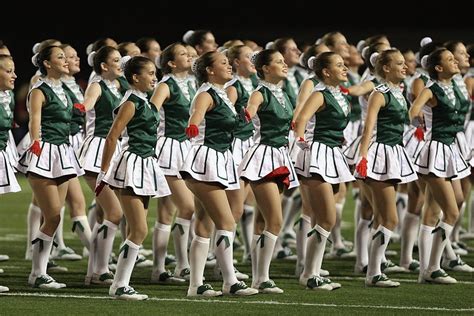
445, 117
55, 117
104, 108
220, 124
176, 110
124, 85
243, 130
6, 121
356, 111
142, 128
465, 105
330, 122
275, 120
390, 120
78, 117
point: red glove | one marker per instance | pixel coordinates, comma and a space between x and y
361, 167
247, 116
100, 184
15, 124
35, 148
344, 90
293, 125
80, 107
420, 133
192, 131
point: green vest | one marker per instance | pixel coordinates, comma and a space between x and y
124, 85
445, 116
331, 121
465, 105
274, 119
243, 130
103, 109
6, 118
55, 117
175, 111
141, 129
391, 118
290, 91
78, 117
354, 101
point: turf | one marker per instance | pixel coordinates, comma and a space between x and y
352, 298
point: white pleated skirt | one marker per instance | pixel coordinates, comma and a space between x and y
171, 154
8, 182
239, 149
142, 175
76, 141
386, 163
55, 161
325, 161
90, 153
263, 161
444, 161
209, 165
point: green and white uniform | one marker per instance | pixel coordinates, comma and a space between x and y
136, 167
470, 121
353, 127
292, 84
325, 156
386, 157
412, 144
243, 134
98, 123
76, 138
210, 158
8, 161
309, 130
462, 95
351, 151
440, 155
173, 146
57, 158
268, 158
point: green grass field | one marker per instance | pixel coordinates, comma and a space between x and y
77, 299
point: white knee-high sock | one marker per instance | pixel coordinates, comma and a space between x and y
440, 238
123, 228
92, 250
448, 252
191, 231
265, 247
197, 259
161, 236
58, 236
41, 248
377, 250
80, 226
105, 243
408, 234
362, 243
246, 227
458, 225
304, 226
92, 214
126, 262
357, 217
425, 242
315, 251
336, 230
402, 206
224, 255
180, 233
289, 219
471, 214
33, 222
254, 258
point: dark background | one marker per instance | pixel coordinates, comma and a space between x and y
80, 23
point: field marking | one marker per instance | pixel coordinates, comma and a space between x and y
347, 278
214, 301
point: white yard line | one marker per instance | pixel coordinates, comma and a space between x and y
414, 280
243, 301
